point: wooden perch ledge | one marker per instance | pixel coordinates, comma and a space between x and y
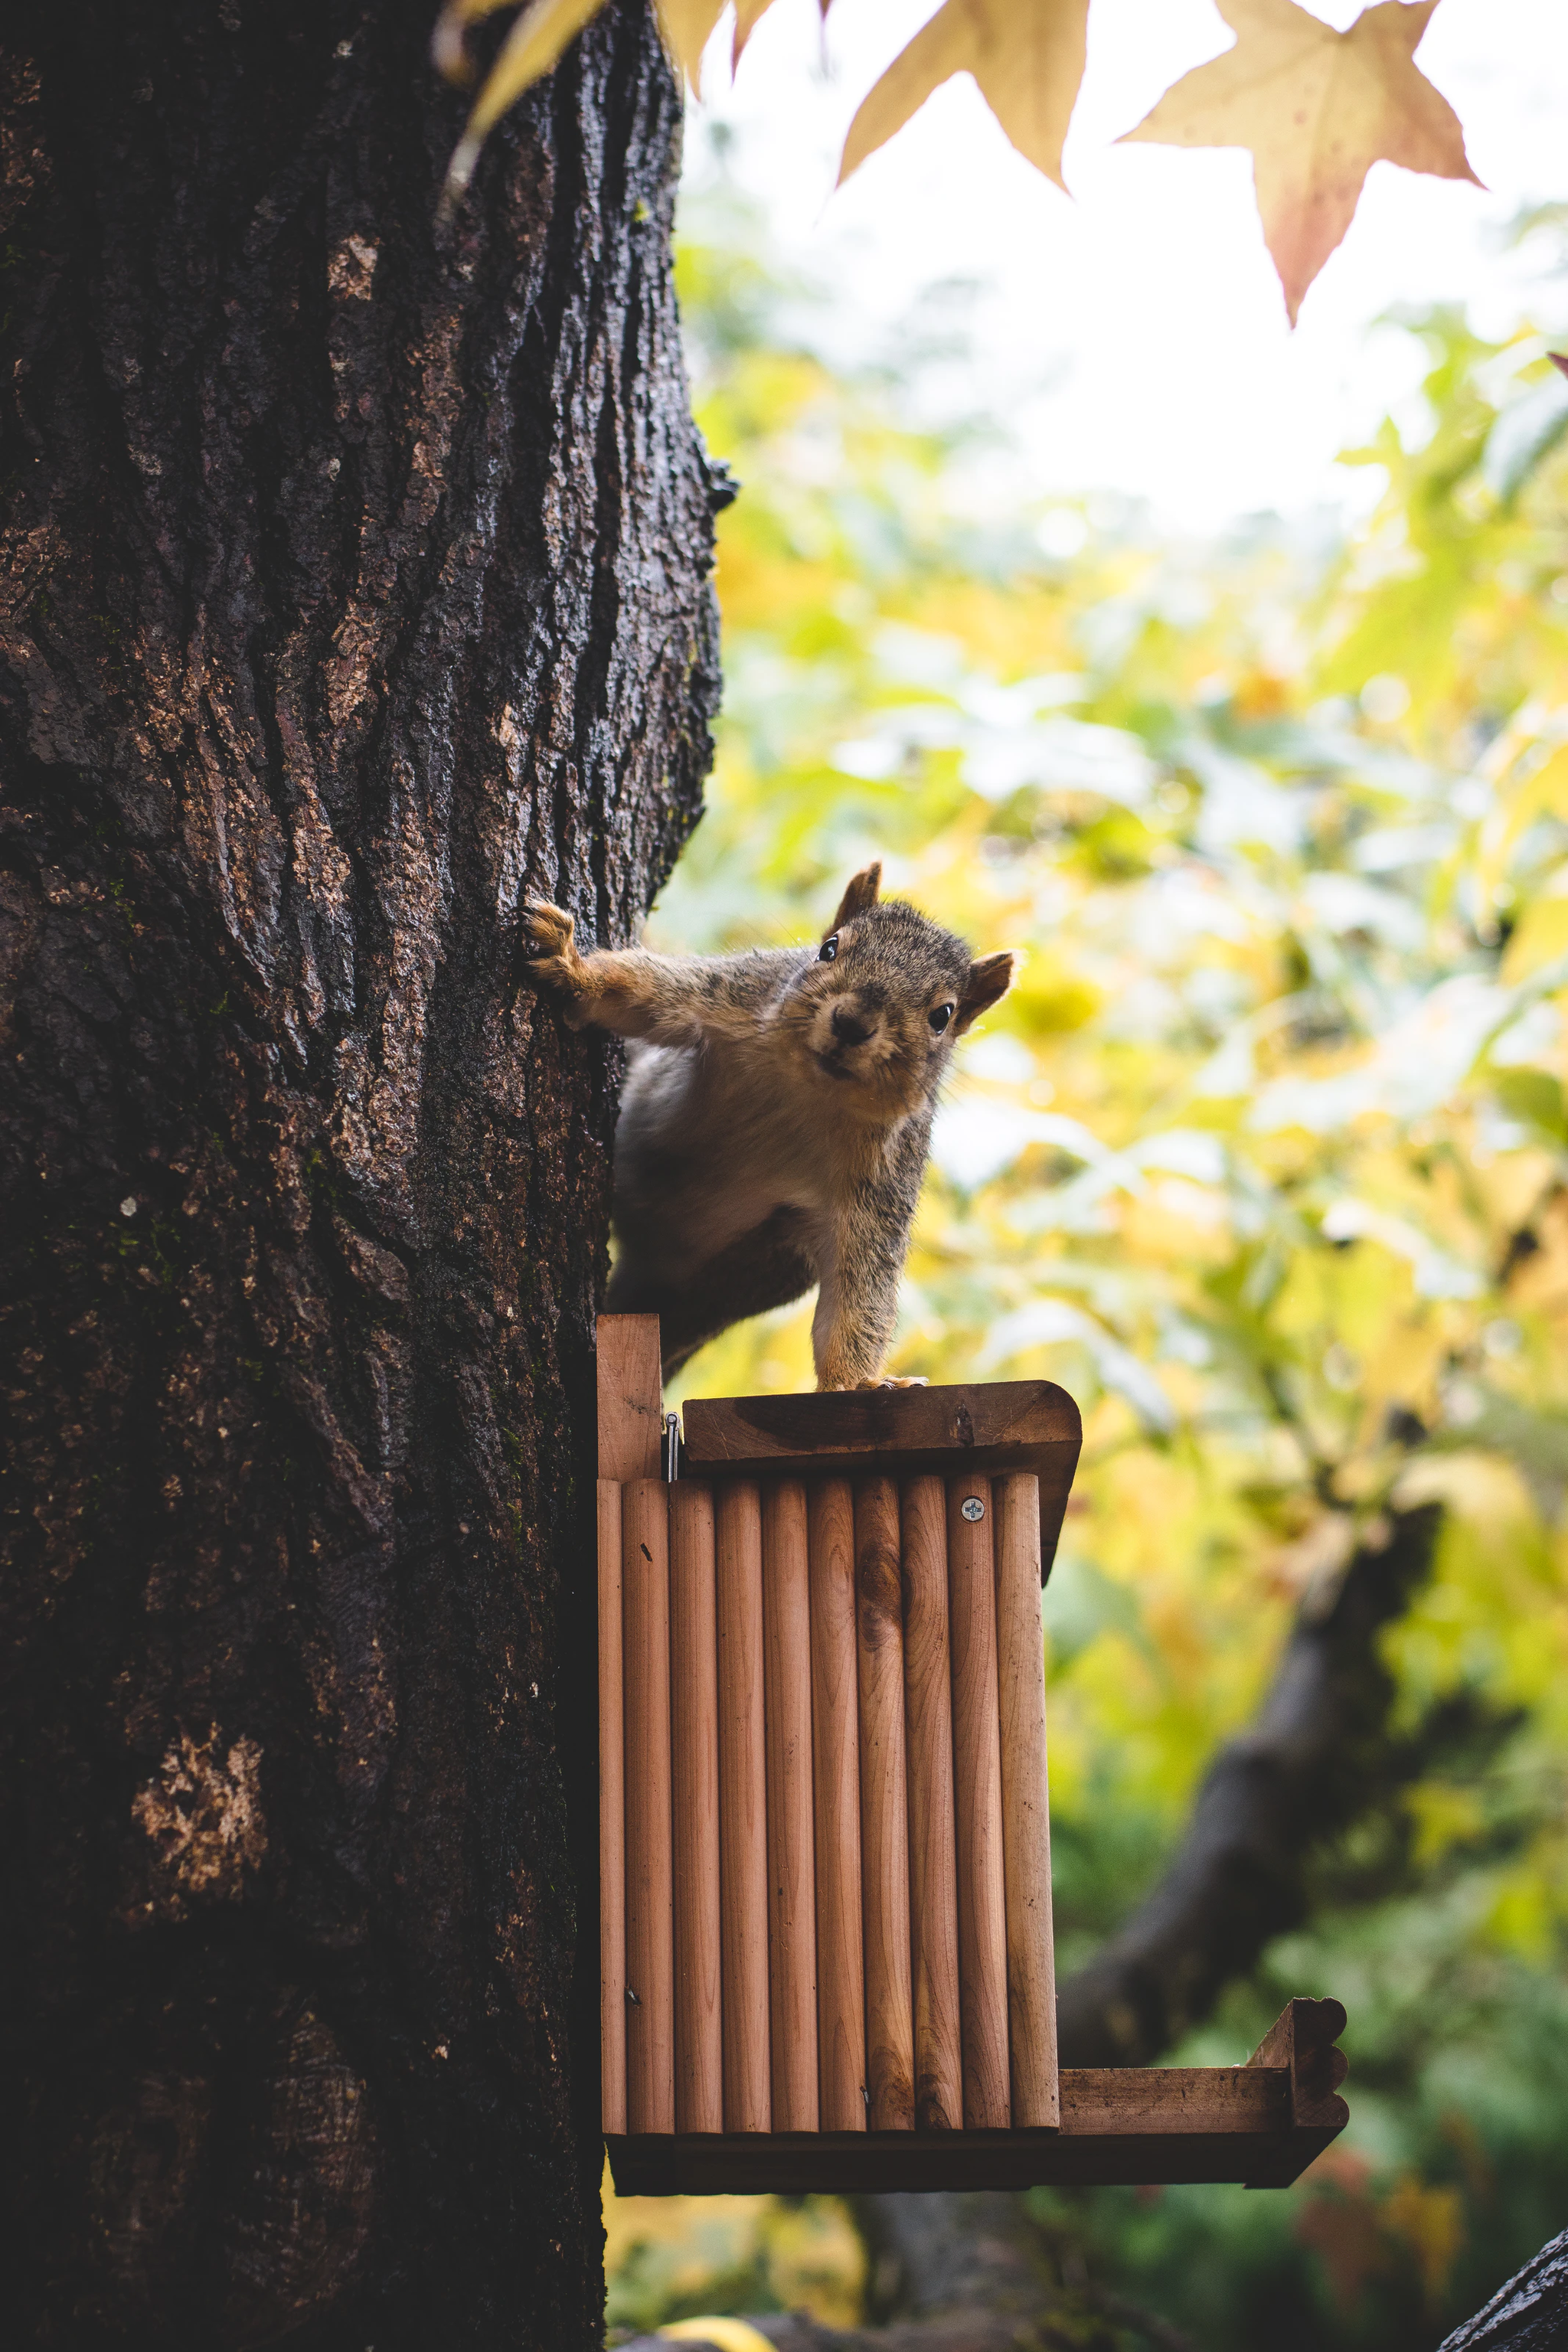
1261, 2124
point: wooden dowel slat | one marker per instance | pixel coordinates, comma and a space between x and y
836, 1808
1025, 1804
977, 1808
743, 1810
884, 1827
694, 1720
650, 1957
612, 1821
933, 1867
792, 1869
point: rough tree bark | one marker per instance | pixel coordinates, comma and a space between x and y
1528, 2314
356, 584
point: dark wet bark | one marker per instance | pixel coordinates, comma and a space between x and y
354, 585
1529, 2314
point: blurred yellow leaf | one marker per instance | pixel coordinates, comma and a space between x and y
729, 2335
1317, 107
1442, 1816
1431, 2221
1027, 56
1544, 793
1540, 938
688, 28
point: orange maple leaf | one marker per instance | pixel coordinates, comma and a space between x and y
1318, 107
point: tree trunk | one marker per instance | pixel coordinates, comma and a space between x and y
355, 587
1528, 2314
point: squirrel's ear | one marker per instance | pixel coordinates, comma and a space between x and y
860, 894
988, 983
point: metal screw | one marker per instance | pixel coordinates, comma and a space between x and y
972, 1508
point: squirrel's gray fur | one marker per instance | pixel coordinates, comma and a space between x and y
776, 1118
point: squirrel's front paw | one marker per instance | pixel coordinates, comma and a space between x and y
548, 932
549, 943
892, 1381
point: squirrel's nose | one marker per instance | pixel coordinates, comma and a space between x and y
847, 1029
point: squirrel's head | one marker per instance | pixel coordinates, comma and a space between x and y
877, 1011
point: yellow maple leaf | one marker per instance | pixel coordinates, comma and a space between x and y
1027, 56
1318, 107
688, 27
530, 51
729, 2335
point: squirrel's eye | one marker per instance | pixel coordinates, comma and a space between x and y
828, 949
940, 1017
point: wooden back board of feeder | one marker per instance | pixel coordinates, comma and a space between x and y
826, 1943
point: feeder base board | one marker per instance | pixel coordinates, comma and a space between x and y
1129, 2125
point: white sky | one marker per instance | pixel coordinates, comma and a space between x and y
1136, 336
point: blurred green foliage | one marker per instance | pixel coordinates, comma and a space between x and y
1264, 1158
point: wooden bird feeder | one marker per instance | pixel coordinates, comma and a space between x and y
825, 1945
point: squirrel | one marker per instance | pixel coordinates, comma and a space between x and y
775, 1122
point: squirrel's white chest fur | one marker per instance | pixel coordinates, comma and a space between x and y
705, 1153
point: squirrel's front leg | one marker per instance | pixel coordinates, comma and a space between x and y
628, 990
859, 1258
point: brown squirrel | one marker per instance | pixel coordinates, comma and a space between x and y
775, 1124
